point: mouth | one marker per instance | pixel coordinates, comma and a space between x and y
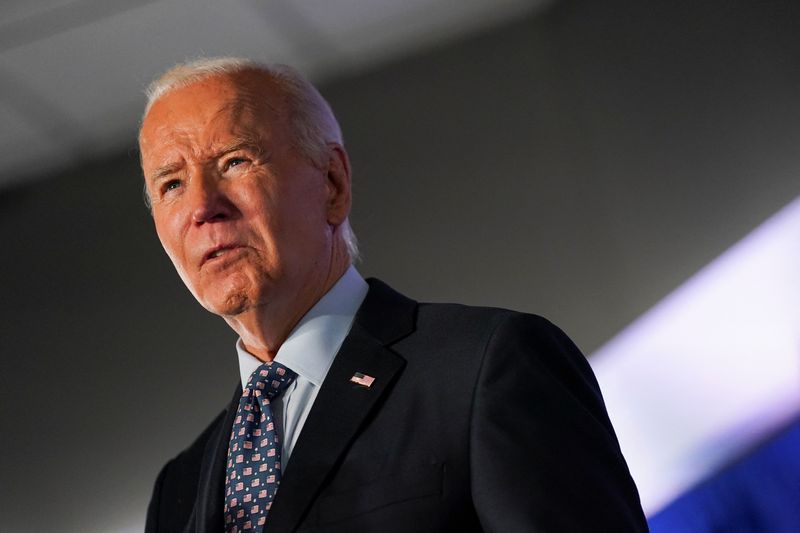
219, 251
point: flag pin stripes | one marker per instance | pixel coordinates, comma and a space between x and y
362, 379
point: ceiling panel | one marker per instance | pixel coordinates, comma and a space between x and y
97, 66
366, 33
73, 72
13, 11
25, 148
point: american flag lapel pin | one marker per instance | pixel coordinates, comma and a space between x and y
362, 379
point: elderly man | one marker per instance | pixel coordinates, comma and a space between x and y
358, 408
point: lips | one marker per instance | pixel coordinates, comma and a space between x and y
218, 251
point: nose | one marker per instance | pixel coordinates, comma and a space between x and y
209, 203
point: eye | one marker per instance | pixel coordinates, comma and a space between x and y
170, 185
235, 162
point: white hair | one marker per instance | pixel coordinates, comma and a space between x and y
311, 119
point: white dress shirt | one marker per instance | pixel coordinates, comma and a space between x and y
309, 351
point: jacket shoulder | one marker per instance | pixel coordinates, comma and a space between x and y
175, 489
481, 324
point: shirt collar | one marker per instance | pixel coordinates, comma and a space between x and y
313, 343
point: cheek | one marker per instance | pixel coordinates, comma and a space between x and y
168, 232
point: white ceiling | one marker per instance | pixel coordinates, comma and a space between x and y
72, 72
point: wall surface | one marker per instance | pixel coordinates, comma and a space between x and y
579, 164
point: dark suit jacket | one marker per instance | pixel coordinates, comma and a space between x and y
478, 419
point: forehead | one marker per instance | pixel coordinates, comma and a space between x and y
240, 104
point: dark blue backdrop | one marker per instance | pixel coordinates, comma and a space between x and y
758, 494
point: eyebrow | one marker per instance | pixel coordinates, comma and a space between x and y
164, 171
242, 143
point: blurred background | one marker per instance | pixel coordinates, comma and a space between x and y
627, 169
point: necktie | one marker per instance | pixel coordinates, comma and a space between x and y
254, 453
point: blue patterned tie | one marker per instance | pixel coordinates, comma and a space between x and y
254, 453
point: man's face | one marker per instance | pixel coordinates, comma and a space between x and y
246, 219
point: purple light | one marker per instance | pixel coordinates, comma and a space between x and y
712, 368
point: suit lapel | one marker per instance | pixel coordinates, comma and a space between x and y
342, 407
207, 515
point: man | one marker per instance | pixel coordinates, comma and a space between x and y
368, 410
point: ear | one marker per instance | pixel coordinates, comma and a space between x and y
338, 184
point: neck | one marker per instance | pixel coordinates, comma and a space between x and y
263, 328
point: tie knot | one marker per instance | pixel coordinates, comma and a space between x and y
270, 379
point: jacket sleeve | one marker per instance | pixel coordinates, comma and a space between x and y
153, 510
543, 454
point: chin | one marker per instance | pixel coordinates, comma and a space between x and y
230, 296
228, 305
